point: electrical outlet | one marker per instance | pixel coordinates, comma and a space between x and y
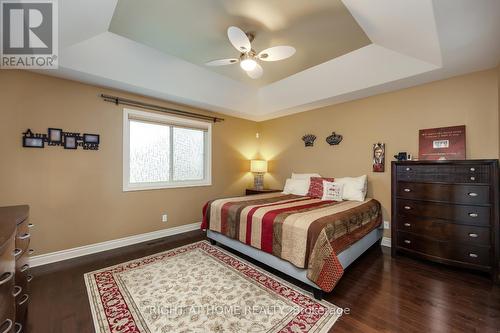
164, 218
386, 224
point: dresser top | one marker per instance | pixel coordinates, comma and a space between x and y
456, 162
10, 217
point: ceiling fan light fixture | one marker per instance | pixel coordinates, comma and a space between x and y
248, 64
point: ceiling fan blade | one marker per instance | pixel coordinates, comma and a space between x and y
239, 39
222, 62
276, 53
256, 73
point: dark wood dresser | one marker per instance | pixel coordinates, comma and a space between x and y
447, 212
14, 268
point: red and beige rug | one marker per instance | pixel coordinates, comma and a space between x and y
201, 288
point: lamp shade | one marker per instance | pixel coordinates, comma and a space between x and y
258, 166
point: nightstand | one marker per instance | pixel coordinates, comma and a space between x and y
251, 191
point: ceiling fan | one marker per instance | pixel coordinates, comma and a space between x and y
248, 57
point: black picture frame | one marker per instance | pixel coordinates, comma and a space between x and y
53, 131
33, 142
93, 139
70, 142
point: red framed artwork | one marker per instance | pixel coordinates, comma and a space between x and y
444, 143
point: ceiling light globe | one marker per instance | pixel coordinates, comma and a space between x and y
248, 64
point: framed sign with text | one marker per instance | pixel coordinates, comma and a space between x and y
444, 143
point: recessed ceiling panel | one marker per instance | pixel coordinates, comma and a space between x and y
195, 30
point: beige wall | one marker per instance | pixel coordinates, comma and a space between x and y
76, 196
393, 118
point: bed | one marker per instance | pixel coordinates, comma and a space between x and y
309, 239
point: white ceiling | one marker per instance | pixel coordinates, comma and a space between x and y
414, 41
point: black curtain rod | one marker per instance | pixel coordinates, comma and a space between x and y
124, 101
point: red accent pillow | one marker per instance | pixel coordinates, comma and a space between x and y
316, 186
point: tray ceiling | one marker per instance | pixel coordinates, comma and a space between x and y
412, 42
195, 31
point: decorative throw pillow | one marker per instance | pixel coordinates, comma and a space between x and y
354, 187
332, 191
316, 186
296, 186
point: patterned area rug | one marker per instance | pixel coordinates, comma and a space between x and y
201, 288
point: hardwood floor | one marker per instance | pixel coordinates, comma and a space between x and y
382, 294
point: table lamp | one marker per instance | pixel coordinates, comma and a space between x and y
259, 168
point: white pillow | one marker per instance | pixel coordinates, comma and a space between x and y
354, 187
332, 191
296, 186
304, 175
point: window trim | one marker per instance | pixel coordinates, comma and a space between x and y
168, 120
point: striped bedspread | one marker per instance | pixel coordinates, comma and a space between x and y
305, 231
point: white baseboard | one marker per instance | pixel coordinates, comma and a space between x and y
386, 241
52, 257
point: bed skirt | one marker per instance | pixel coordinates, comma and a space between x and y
346, 257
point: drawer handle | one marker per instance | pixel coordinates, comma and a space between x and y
472, 235
23, 237
408, 169
17, 252
407, 241
473, 214
472, 169
407, 207
473, 255
473, 194
6, 277
31, 225
29, 278
25, 298
9, 323
407, 190
473, 178
19, 327
407, 225
17, 290
25, 268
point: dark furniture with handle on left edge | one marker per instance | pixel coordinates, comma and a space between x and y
14, 268
447, 212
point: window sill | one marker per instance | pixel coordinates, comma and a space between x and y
132, 188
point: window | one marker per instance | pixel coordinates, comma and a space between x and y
161, 151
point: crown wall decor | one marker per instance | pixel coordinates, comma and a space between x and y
334, 139
309, 140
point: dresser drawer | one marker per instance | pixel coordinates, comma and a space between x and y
22, 307
474, 174
460, 214
464, 194
23, 242
470, 254
23, 272
442, 231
